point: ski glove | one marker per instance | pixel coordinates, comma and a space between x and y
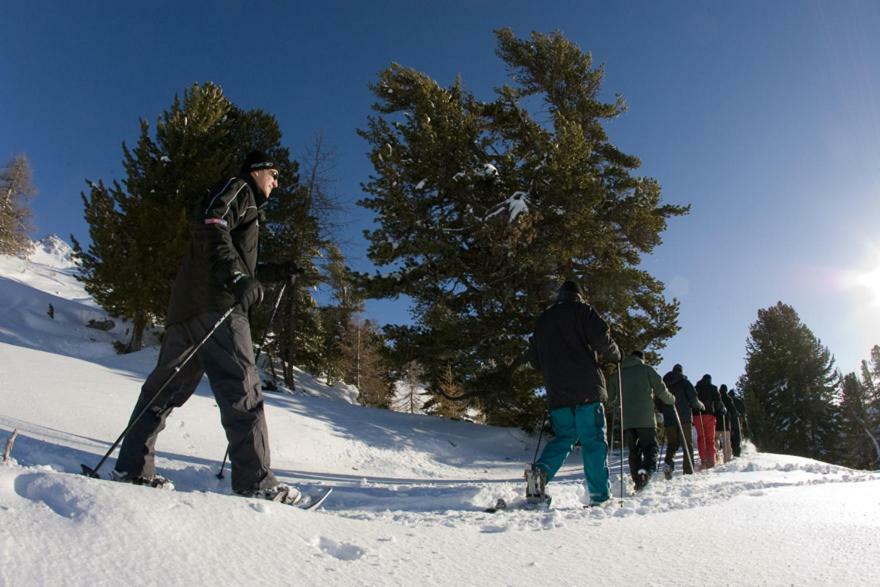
247, 290
280, 271
701, 406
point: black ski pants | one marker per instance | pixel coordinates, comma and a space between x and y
643, 450
674, 441
736, 436
228, 359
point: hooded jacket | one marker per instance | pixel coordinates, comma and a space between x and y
708, 394
641, 386
726, 423
685, 399
570, 343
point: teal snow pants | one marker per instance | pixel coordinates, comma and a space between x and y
585, 422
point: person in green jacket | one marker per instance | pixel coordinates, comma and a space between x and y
641, 385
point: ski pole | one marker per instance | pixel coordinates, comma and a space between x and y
90, 472
724, 445
702, 440
684, 444
272, 318
257, 357
540, 434
620, 388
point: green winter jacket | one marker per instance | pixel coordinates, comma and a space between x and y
641, 384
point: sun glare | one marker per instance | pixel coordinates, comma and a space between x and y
866, 279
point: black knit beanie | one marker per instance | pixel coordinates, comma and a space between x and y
255, 161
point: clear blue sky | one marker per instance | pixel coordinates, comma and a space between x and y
763, 115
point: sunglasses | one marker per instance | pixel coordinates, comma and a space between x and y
274, 174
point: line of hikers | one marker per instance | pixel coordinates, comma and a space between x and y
570, 344
713, 412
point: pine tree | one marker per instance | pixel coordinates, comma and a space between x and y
483, 209
338, 316
446, 402
112, 269
16, 189
870, 381
789, 386
139, 228
858, 445
409, 390
364, 366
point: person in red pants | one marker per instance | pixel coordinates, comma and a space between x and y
704, 421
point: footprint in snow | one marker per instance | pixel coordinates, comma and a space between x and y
343, 551
57, 496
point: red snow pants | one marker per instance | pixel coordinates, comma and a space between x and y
705, 425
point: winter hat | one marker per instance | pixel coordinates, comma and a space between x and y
570, 287
639, 354
257, 160
723, 388
677, 368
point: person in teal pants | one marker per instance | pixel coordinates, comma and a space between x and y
570, 344
585, 422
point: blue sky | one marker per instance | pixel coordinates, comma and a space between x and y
765, 116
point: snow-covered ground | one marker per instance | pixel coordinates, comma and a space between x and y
409, 490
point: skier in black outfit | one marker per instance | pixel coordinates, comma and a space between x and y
723, 425
219, 270
685, 402
733, 416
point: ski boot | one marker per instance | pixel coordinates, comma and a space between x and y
667, 471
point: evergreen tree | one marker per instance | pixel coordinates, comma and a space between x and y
446, 402
338, 316
789, 386
858, 445
16, 189
139, 228
409, 389
483, 210
364, 366
871, 383
112, 269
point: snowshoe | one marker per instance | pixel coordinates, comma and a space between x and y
598, 504
536, 485
500, 505
156, 481
280, 493
642, 479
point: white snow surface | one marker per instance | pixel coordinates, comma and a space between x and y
409, 490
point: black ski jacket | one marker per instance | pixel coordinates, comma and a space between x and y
708, 394
685, 399
570, 344
726, 423
225, 241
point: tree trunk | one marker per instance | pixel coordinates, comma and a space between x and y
137, 334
